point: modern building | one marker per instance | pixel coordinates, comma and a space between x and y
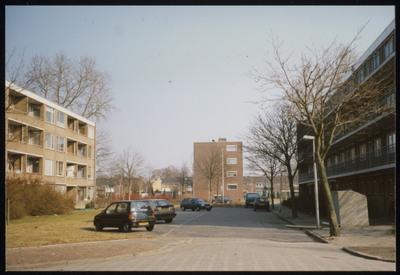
364, 159
210, 154
46, 140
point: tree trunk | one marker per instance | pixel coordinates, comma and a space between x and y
330, 208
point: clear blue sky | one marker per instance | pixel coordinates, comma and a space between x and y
179, 72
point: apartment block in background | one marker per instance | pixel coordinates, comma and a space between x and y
210, 153
46, 140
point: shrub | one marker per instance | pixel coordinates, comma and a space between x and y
30, 197
90, 204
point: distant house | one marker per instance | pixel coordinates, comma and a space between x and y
260, 184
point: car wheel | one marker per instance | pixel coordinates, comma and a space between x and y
183, 208
126, 227
168, 220
98, 226
198, 208
150, 228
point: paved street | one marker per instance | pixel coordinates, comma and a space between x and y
233, 239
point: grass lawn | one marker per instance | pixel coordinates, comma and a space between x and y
46, 230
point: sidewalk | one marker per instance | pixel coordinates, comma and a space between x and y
375, 241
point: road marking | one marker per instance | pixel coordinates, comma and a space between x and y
183, 224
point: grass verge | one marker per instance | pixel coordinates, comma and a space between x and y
61, 229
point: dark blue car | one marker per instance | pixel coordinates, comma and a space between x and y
195, 204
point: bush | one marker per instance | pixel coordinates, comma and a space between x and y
90, 204
30, 197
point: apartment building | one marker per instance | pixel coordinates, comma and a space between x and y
46, 140
210, 154
364, 159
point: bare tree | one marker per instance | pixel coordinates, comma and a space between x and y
184, 173
78, 85
259, 161
274, 135
208, 165
130, 162
104, 153
326, 97
14, 70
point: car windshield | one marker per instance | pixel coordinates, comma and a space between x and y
199, 200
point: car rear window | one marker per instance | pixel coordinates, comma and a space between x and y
253, 195
140, 205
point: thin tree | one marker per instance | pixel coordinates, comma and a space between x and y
257, 160
104, 153
130, 162
274, 135
208, 165
78, 85
322, 101
184, 173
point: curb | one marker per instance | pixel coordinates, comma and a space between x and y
367, 256
85, 261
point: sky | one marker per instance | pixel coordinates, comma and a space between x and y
180, 73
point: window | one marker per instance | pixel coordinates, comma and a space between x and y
60, 144
48, 167
35, 110
391, 142
33, 165
81, 172
49, 141
328, 161
231, 147
390, 99
81, 150
91, 131
81, 129
388, 48
90, 172
111, 208
341, 157
377, 144
60, 168
122, 207
363, 151
49, 114
34, 138
60, 119
71, 171
91, 152
375, 61
231, 186
231, 160
231, 174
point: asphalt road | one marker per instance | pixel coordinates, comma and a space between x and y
234, 239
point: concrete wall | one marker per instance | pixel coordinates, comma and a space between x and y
351, 208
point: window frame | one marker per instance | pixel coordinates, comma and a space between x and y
52, 141
58, 144
50, 114
59, 123
231, 160
51, 163
231, 184
91, 131
231, 174
231, 148
58, 172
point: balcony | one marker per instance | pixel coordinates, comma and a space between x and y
361, 163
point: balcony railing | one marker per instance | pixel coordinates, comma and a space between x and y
372, 159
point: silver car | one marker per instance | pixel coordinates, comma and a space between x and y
163, 209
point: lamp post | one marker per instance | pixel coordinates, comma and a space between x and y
315, 179
222, 176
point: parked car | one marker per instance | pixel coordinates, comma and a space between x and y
250, 198
261, 203
125, 215
163, 209
195, 204
227, 199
